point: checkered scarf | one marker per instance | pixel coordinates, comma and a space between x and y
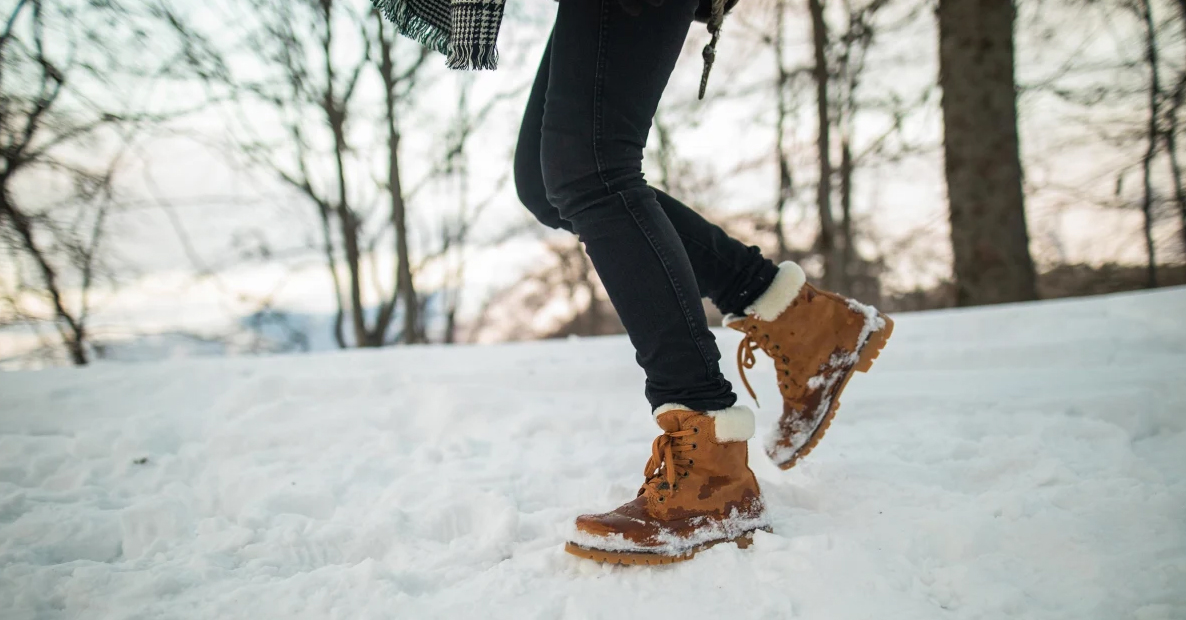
463, 30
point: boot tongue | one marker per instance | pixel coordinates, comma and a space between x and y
671, 421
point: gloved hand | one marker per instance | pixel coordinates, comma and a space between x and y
634, 7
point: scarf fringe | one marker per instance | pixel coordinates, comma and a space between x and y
413, 26
474, 57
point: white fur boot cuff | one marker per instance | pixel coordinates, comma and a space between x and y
782, 291
733, 424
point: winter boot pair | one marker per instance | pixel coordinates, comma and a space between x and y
699, 489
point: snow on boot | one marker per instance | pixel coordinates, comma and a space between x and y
699, 491
816, 339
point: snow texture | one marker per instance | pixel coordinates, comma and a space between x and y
1010, 462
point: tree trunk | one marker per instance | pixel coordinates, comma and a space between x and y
989, 239
826, 244
405, 287
1171, 138
1146, 14
848, 250
399, 222
335, 115
786, 185
70, 328
327, 234
1171, 147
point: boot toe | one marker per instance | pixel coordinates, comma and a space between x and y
630, 521
595, 525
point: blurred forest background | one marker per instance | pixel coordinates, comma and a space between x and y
261, 176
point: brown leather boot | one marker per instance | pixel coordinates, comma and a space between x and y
816, 339
699, 491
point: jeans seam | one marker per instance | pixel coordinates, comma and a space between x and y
599, 96
598, 122
679, 293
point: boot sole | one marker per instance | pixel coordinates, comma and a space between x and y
638, 558
869, 352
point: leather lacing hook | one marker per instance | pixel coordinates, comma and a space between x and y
667, 459
747, 359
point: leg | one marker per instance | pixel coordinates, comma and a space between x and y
727, 271
529, 176
606, 74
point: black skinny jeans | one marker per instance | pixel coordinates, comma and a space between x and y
578, 166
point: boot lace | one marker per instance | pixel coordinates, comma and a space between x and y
668, 463
753, 341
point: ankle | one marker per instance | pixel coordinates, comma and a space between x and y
777, 297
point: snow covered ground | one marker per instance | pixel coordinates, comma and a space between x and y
1024, 461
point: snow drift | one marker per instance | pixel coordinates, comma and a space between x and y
1022, 461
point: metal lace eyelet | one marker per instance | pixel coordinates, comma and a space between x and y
691, 462
695, 430
661, 500
693, 446
785, 359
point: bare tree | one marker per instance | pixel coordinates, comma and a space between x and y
62, 133
316, 55
1145, 13
396, 87
853, 45
1118, 88
826, 242
989, 238
836, 67
783, 85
